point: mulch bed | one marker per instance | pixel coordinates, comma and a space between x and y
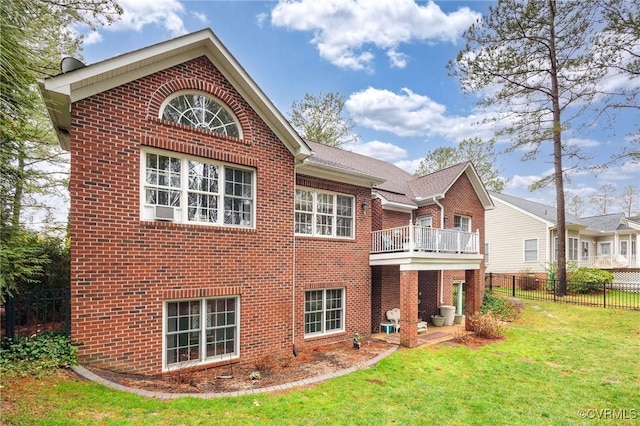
273, 370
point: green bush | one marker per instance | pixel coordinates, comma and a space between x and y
500, 307
587, 280
22, 356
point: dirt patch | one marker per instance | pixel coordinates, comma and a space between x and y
268, 371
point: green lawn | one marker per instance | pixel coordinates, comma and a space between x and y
555, 361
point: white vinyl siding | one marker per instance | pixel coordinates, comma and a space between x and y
506, 228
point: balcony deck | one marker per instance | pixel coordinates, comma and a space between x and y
421, 248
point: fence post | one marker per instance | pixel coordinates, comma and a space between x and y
490, 282
513, 286
604, 295
67, 325
10, 327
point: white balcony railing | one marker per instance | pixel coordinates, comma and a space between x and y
413, 238
609, 261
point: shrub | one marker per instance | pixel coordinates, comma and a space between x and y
488, 326
22, 356
500, 307
588, 280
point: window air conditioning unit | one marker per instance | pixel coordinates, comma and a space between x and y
163, 213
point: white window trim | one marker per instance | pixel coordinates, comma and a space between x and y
203, 336
146, 210
524, 250
324, 332
464, 217
601, 245
334, 228
577, 248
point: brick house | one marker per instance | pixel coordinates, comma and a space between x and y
205, 230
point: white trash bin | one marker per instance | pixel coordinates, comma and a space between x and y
448, 312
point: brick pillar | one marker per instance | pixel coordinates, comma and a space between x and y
409, 308
474, 294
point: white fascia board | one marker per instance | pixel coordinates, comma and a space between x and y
395, 206
337, 174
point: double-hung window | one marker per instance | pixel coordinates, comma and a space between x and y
200, 331
462, 222
531, 250
322, 213
189, 189
323, 311
572, 249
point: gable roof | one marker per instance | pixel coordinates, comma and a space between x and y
60, 91
592, 225
607, 223
395, 187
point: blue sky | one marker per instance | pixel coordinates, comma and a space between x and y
386, 57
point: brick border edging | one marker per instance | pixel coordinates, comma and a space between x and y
80, 370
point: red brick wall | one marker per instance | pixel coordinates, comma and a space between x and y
462, 200
124, 268
334, 263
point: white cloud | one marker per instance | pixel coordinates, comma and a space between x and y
376, 149
261, 18
342, 28
200, 17
409, 166
582, 143
92, 38
164, 13
411, 114
397, 59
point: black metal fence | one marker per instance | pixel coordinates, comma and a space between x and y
611, 295
36, 312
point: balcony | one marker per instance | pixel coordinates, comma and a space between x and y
609, 261
421, 248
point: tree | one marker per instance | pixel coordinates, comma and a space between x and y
619, 47
481, 154
575, 204
531, 63
628, 200
320, 119
35, 35
604, 198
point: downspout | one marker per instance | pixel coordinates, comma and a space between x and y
437, 203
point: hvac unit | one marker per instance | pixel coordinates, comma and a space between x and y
163, 213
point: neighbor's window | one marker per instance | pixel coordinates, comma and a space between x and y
624, 247
531, 250
200, 331
604, 249
324, 214
572, 249
201, 111
463, 222
323, 311
195, 190
486, 253
585, 250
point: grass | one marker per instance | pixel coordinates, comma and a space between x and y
555, 361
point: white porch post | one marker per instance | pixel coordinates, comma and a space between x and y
459, 299
411, 237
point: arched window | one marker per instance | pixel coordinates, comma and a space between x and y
201, 111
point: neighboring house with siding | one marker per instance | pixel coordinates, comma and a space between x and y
205, 230
522, 238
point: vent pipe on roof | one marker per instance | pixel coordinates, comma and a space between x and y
69, 64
